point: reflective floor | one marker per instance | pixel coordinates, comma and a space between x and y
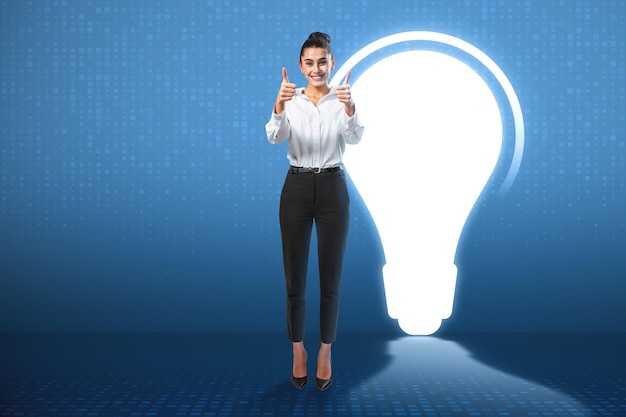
375, 375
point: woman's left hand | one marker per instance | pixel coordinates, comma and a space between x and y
344, 95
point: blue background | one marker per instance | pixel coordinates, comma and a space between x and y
138, 191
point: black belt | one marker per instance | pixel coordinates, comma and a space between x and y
296, 170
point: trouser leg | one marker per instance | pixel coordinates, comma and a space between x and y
296, 220
332, 217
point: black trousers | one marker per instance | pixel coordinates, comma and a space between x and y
322, 199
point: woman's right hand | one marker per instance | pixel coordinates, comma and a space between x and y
286, 93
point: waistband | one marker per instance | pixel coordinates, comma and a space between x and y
298, 170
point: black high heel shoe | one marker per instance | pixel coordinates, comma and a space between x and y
300, 382
324, 384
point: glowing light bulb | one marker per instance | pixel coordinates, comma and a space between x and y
432, 140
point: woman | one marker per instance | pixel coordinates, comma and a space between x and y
318, 121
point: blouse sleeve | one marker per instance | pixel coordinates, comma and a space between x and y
353, 131
277, 128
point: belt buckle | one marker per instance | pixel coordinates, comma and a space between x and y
318, 170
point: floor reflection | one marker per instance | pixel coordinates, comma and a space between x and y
440, 377
375, 375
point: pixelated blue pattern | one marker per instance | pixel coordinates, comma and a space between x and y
135, 172
211, 375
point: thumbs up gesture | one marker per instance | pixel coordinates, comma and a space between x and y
286, 93
344, 95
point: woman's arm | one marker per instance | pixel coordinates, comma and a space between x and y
353, 131
277, 128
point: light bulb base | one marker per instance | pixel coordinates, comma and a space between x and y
419, 297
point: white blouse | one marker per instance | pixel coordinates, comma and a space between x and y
317, 134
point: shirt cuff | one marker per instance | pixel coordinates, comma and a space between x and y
352, 120
278, 117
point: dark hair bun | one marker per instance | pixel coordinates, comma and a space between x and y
320, 36
317, 40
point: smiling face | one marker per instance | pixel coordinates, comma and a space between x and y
316, 65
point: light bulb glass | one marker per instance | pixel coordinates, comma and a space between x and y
432, 140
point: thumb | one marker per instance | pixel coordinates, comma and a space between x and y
285, 79
347, 80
